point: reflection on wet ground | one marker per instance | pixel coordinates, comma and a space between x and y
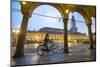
77, 53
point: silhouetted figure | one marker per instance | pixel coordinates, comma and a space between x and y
46, 40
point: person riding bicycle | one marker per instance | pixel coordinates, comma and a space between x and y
47, 47
46, 40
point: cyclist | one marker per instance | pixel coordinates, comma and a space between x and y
46, 40
45, 49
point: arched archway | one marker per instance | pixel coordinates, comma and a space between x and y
87, 12
45, 16
77, 28
26, 15
27, 9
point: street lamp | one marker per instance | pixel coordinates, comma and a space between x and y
23, 3
67, 11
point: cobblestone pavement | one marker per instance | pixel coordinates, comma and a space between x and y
77, 53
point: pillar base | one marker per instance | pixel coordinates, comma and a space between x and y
66, 51
92, 48
18, 55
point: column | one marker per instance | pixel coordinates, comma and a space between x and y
65, 36
21, 39
90, 36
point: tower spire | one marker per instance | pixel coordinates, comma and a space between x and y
73, 28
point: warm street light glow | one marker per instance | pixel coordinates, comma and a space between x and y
23, 3
14, 31
37, 37
69, 37
36, 45
17, 31
67, 11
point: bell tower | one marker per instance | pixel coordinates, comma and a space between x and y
73, 28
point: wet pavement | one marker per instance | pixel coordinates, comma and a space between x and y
78, 53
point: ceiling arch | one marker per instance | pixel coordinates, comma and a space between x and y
86, 11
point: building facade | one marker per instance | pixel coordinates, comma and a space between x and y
55, 34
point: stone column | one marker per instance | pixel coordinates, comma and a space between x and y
21, 39
65, 36
90, 36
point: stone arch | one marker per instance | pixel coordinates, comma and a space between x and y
83, 13
27, 10
87, 13
32, 6
56, 6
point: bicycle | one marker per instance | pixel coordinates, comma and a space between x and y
42, 50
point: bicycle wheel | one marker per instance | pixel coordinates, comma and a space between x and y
54, 47
41, 50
